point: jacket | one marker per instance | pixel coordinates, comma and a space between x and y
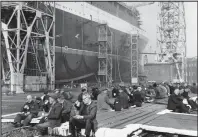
103, 102
55, 111
31, 107
123, 99
66, 107
90, 111
161, 92
194, 89
174, 101
167, 88
137, 96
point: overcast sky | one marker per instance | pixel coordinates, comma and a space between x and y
150, 21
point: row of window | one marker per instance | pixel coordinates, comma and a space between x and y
192, 65
191, 74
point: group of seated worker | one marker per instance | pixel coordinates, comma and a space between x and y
180, 102
57, 109
119, 98
60, 106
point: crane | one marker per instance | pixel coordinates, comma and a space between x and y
172, 33
172, 36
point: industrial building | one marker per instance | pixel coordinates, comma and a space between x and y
192, 70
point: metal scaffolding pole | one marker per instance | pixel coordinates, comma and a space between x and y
134, 59
105, 55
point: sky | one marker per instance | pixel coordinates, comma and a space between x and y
149, 17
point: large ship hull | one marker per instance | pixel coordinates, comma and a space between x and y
77, 48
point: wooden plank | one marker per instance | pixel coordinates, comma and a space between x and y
147, 115
107, 122
108, 115
133, 120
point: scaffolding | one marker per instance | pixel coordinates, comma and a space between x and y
105, 55
172, 36
134, 59
28, 29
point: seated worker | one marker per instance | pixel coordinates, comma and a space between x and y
137, 96
115, 92
84, 90
38, 100
160, 91
184, 93
45, 100
28, 112
150, 94
67, 94
195, 101
95, 93
131, 99
165, 84
194, 88
87, 120
53, 118
66, 108
175, 103
103, 103
123, 98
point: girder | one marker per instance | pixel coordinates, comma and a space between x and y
23, 23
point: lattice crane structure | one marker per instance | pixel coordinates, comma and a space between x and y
172, 36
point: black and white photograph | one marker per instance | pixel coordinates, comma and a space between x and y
98, 68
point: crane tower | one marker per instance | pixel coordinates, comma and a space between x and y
172, 36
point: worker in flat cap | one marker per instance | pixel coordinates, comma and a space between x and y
84, 90
103, 102
53, 118
66, 108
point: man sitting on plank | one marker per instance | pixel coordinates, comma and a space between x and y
28, 111
86, 120
53, 118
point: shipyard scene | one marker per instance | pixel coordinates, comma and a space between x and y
98, 69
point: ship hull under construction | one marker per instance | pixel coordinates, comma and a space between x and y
77, 45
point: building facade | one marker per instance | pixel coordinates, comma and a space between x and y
192, 70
